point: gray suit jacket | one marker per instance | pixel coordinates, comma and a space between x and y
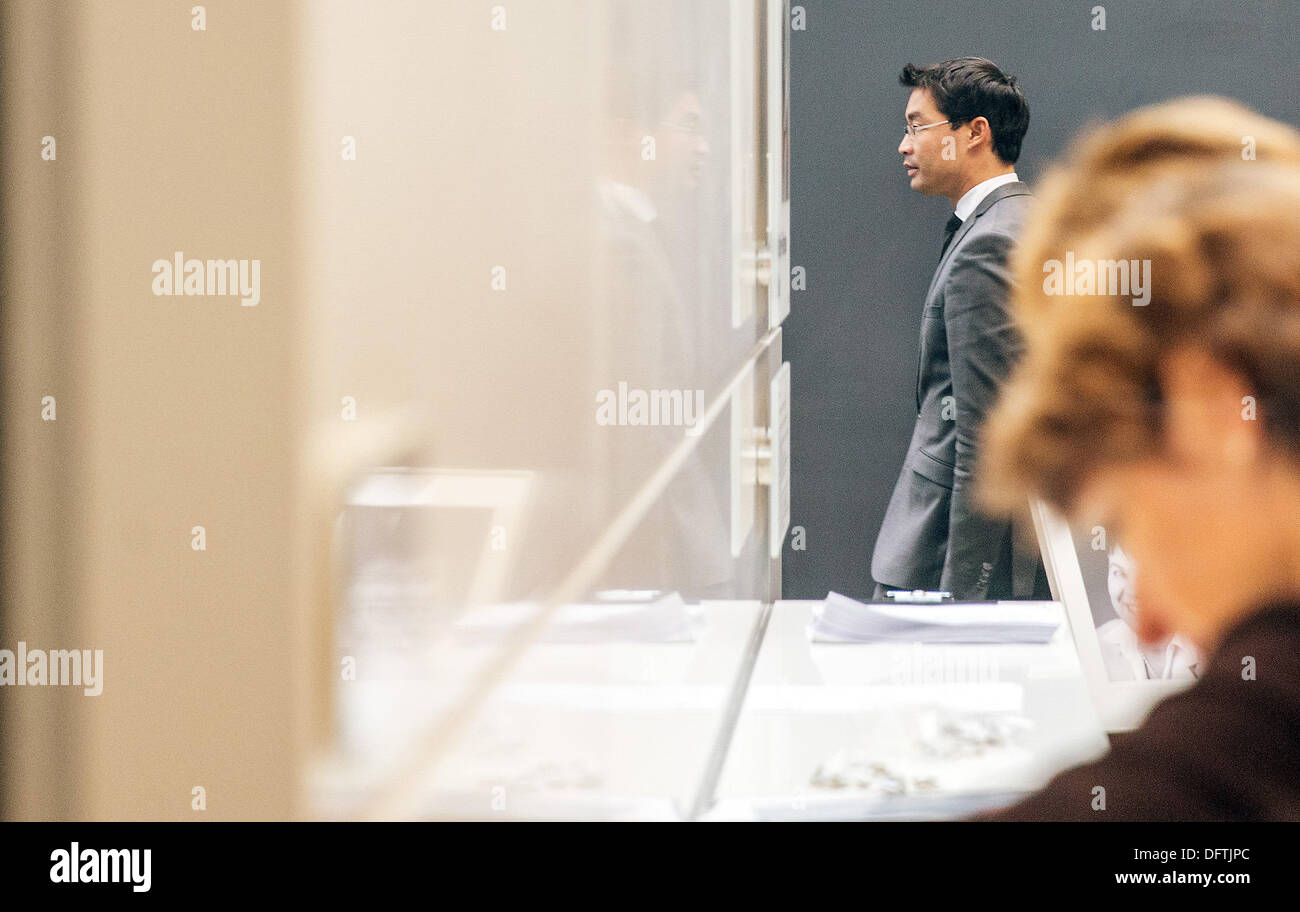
932, 536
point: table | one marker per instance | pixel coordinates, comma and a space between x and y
901, 707
748, 721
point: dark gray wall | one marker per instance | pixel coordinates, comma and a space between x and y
869, 244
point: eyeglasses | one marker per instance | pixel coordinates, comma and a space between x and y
688, 127
912, 129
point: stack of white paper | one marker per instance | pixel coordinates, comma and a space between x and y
840, 619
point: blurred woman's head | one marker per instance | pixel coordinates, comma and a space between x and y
1174, 415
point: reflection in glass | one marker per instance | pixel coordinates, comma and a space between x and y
1110, 576
541, 278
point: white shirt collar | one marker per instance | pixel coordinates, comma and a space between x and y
618, 195
1181, 656
975, 195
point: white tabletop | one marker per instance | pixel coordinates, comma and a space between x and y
577, 730
731, 725
915, 713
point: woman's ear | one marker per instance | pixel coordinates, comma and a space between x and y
1204, 421
1152, 627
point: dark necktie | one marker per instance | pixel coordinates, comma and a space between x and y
948, 231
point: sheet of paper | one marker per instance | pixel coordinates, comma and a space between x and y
840, 619
665, 620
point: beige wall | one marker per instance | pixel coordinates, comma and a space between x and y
172, 411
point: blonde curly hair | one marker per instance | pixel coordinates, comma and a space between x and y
1175, 185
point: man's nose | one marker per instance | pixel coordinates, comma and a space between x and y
905, 146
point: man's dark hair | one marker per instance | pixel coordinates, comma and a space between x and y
970, 87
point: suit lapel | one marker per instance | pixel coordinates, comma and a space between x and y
1016, 188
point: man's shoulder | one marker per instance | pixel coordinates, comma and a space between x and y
1006, 213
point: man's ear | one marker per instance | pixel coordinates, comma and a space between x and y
981, 131
1204, 399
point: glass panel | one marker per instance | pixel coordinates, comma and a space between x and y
536, 358
612, 713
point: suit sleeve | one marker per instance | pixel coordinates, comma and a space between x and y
983, 343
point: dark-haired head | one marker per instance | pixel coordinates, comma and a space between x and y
969, 87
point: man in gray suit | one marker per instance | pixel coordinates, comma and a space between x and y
965, 123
